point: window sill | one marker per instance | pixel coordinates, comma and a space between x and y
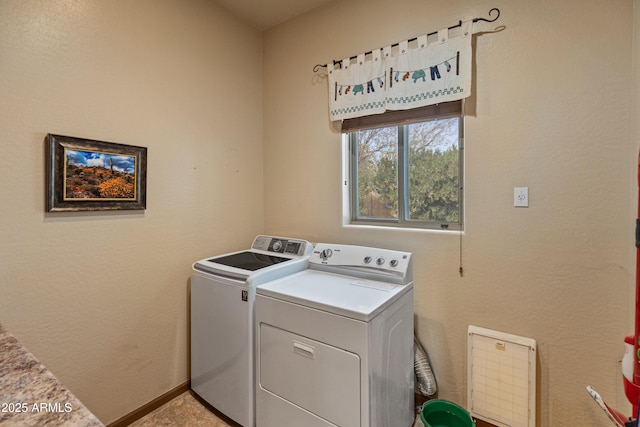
393, 228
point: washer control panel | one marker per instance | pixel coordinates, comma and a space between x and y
281, 245
338, 255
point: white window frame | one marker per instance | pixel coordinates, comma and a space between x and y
350, 161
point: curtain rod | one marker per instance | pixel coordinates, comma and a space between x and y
459, 24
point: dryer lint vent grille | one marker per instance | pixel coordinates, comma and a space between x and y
501, 378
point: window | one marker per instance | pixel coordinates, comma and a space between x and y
405, 167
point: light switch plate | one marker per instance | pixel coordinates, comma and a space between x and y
521, 197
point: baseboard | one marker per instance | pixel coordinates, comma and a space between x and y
151, 406
481, 423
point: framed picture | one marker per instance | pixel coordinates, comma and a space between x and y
89, 175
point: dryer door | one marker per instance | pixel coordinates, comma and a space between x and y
319, 378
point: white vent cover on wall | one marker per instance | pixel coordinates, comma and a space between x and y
501, 378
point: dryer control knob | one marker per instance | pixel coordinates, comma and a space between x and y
393, 263
367, 259
380, 261
326, 253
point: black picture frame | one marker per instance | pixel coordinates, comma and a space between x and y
89, 175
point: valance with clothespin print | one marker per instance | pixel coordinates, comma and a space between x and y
406, 77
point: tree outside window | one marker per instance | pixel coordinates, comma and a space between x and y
408, 175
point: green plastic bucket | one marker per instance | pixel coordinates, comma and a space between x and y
442, 413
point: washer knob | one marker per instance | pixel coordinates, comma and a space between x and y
380, 261
367, 259
277, 245
393, 263
326, 253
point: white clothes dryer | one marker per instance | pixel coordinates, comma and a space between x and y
222, 320
335, 341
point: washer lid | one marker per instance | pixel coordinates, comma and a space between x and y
247, 260
353, 297
269, 258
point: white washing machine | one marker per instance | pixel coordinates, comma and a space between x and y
222, 320
335, 341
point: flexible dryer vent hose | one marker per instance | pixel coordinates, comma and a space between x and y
427, 384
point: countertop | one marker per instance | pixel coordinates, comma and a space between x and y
30, 395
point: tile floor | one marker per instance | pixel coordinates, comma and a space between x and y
184, 410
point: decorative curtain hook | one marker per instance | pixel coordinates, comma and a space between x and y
490, 13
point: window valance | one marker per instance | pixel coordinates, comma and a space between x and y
411, 75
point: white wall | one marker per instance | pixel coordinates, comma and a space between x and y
102, 298
550, 111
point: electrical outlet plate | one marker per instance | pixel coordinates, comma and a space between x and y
521, 197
